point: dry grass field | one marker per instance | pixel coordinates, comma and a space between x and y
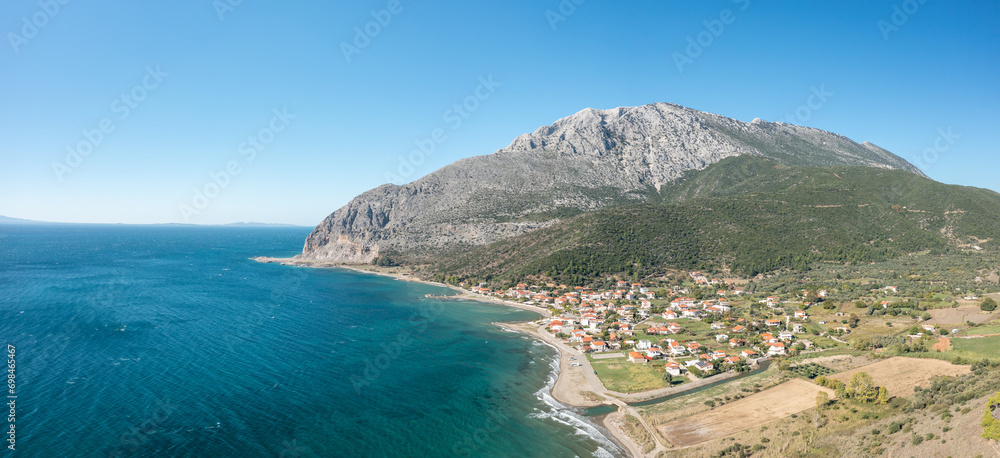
958, 315
765, 407
899, 375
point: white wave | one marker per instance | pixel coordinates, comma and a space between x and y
561, 413
602, 453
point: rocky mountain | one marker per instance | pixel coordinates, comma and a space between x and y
590, 160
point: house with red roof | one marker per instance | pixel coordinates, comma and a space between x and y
674, 369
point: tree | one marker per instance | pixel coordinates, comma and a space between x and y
883, 396
991, 418
988, 305
841, 391
862, 387
668, 378
822, 399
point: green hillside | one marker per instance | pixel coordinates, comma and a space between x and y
750, 215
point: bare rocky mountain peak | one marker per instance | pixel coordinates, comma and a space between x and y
582, 162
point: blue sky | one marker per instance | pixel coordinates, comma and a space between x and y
178, 88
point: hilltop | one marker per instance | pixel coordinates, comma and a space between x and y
749, 215
591, 160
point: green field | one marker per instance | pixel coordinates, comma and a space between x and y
983, 347
625, 377
982, 330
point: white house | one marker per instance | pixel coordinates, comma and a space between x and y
676, 348
703, 366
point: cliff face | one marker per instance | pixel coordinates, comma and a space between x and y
587, 161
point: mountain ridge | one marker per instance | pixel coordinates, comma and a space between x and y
770, 217
583, 162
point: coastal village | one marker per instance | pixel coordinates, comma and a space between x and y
685, 338
675, 364
735, 352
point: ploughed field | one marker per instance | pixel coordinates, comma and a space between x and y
897, 374
957, 316
765, 407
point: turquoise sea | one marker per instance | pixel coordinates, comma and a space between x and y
170, 341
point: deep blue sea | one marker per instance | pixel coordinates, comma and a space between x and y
170, 341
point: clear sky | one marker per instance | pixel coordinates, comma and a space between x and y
124, 111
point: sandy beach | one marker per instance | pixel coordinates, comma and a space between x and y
575, 386
578, 386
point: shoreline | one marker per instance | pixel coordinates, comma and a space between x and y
575, 386
465, 295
